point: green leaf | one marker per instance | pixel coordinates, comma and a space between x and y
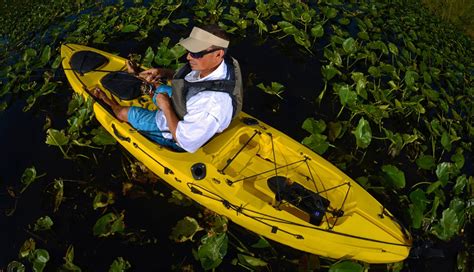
130, 28
446, 141
426, 162
181, 21
102, 200
69, 261
102, 137
29, 175
329, 12
252, 261
458, 159
410, 78
443, 171
109, 224
363, 133
418, 198
361, 81
39, 258
43, 223
328, 71
212, 250
119, 265
56, 62
346, 95
416, 210
27, 248
395, 176
346, 266
58, 192
317, 31
56, 137
29, 54
275, 88
317, 143
461, 183
313, 126
433, 186
261, 243
349, 45
149, 57
15, 266
393, 48
45, 55
335, 131
288, 27
448, 225
185, 230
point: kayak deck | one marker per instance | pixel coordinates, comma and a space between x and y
241, 173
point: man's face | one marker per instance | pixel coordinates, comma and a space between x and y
207, 63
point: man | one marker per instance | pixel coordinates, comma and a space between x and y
205, 95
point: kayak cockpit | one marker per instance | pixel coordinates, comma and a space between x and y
269, 171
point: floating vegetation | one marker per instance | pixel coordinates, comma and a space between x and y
395, 101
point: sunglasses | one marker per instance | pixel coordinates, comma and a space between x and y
201, 54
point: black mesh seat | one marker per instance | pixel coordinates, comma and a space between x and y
123, 85
86, 61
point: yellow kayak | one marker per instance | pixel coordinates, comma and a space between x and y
253, 174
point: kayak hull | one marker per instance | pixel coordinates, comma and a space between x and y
231, 175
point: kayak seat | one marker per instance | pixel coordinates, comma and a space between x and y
86, 61
296, 194
123, 85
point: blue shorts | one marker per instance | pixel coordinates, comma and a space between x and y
144, 121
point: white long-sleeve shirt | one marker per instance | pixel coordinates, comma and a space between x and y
208, 113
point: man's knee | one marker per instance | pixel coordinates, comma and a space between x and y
122, 113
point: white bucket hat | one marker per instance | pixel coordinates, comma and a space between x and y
199, 40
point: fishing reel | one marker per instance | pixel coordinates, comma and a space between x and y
147, 88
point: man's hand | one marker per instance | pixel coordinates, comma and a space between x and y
154, 75
164, 103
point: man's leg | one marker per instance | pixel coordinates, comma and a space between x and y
121, 112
